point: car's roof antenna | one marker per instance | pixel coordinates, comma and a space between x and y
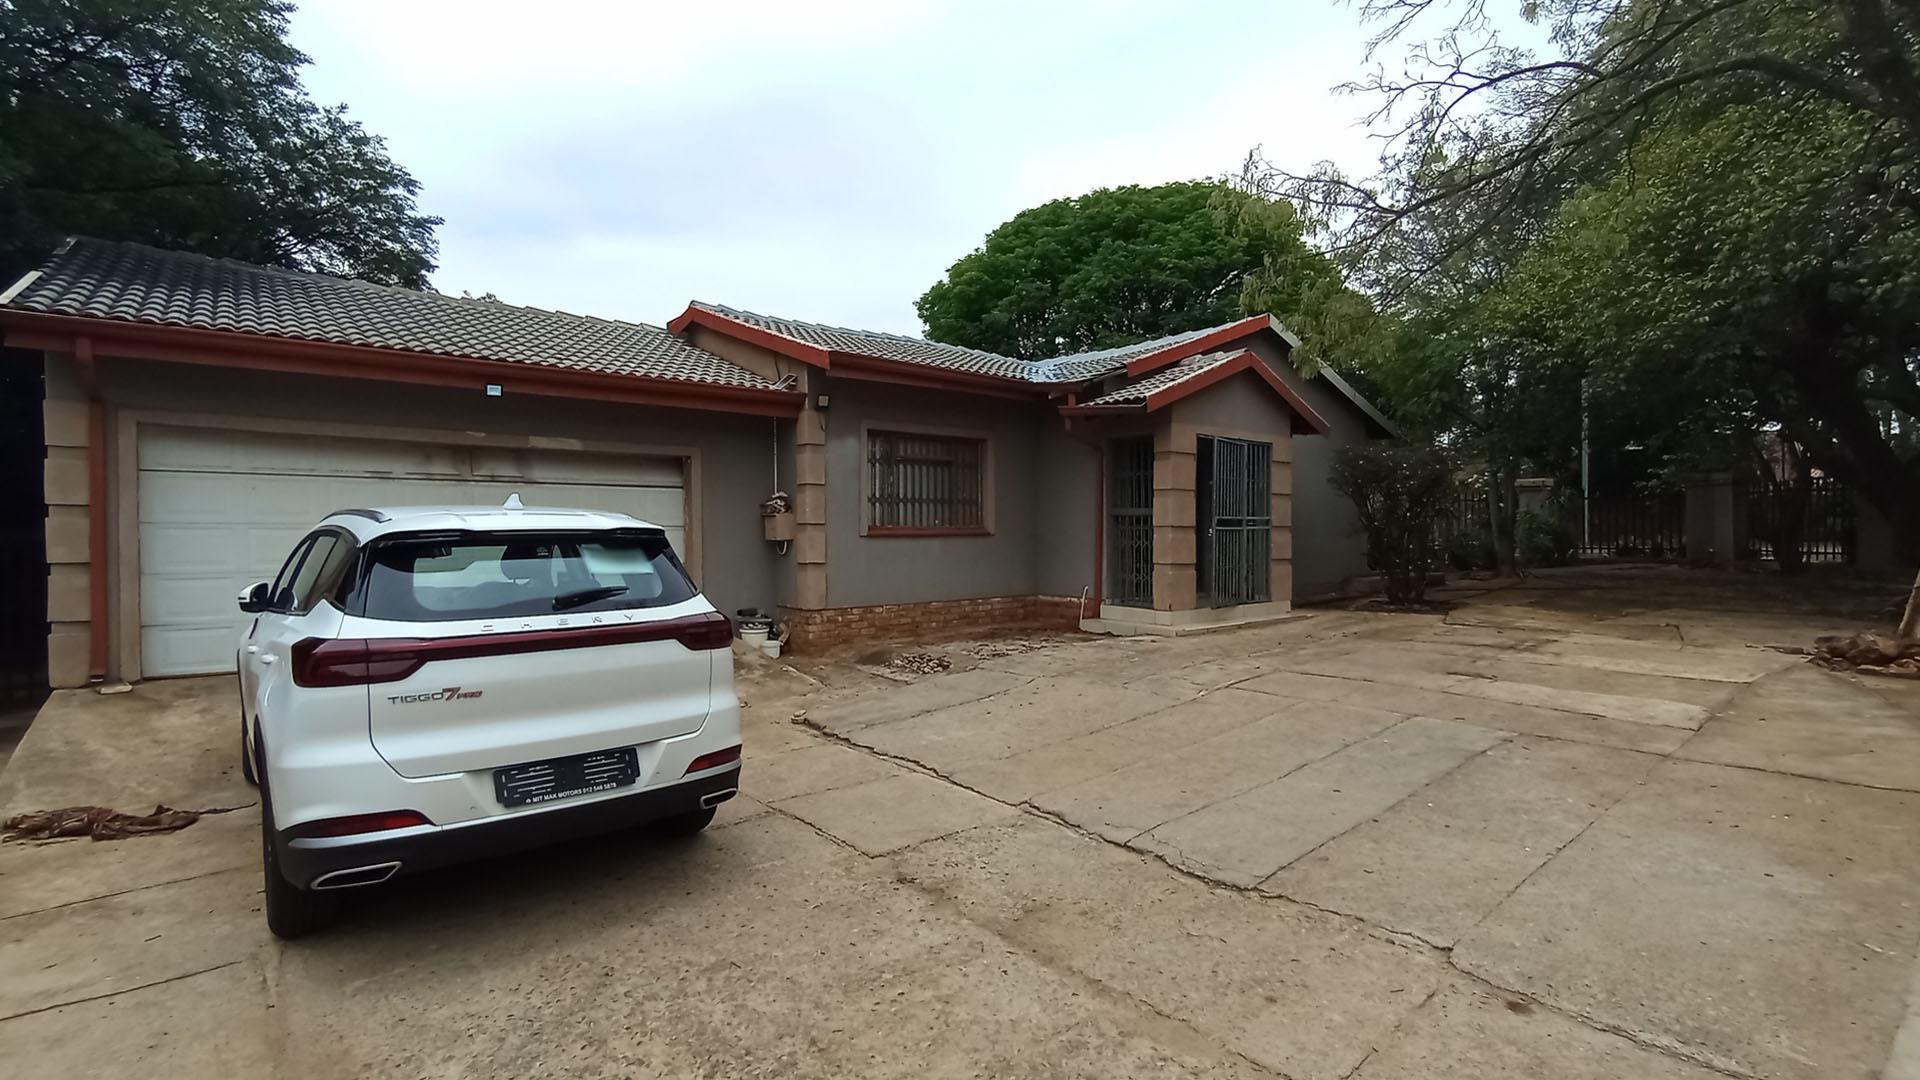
512, 503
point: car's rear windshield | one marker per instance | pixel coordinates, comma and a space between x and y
500, 575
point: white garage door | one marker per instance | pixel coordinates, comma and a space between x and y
221, 509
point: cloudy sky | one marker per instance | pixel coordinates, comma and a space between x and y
818, 160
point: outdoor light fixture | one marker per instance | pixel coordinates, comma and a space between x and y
493, 389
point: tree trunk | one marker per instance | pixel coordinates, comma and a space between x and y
1910, 622
1502, 503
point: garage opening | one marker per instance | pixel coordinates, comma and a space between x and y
221, 509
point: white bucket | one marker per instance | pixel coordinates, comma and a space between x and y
754, 638
772, 648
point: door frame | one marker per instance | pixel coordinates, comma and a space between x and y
123, 491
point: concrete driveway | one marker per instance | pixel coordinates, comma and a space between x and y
1578, 827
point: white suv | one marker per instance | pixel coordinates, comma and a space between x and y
427, 685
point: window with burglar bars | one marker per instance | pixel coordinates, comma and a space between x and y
1130, 522
925, 483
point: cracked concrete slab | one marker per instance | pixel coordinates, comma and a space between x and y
886, 704
1043, 711
1467, 1032
1521, 719
1121, 805
1438, 862
1171, 732
819, 767
886, 815
128, 940
37, 876
211, 1024
1301, 992
760, 950
1815, 723
1764, 922
1245, 838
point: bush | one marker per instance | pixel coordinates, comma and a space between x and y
1469, 549
1403, 494
1544, 539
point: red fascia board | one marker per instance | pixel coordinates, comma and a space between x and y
1246, 361
225, 348
1094, 410
1173, 354
791, 348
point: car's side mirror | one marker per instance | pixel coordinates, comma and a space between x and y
253, 598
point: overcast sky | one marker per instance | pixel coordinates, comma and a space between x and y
825, 161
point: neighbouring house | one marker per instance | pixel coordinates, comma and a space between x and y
201, 414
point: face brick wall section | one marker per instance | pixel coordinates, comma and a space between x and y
813, 630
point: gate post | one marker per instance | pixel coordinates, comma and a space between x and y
1715, 527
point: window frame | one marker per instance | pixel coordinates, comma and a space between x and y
983, 440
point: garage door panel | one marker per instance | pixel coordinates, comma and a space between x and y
562, 467
221, 510
188, 650
279, 455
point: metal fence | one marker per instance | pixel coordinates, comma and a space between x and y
1825, 511
1633, 525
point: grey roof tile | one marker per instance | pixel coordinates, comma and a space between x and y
911, 350
1136, 393
135, 283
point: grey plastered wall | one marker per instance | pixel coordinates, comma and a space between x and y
736, 452
1066, 486
1328, 547
900, 570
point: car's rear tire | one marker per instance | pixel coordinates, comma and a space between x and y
687, 824
292, 912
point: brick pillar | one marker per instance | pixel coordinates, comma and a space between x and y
1175, 551
1282, 494
810, 507
66, 414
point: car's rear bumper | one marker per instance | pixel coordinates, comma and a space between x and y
306, 861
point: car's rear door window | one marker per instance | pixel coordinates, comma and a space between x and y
488, 575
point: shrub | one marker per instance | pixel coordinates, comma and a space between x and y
1402, 493
1544, 539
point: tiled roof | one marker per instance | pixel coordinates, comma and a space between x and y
1137, 392
1073, 368
910, 350
1080, 367
135, 283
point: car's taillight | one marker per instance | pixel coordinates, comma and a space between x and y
713, 761
320, 662
710, 631
355, 661
355, 824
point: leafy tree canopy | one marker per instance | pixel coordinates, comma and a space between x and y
1698, 213
1125, 264
183, 124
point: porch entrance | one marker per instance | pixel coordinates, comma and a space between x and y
1233, 489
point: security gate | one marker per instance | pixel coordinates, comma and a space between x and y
1235, 487
1130, 522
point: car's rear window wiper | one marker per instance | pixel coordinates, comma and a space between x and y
586, 596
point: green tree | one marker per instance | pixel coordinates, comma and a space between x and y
1702, 209
183, 123
1125, 264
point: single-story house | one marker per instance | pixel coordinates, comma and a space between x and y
201, 414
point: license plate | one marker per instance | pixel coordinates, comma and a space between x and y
561, 778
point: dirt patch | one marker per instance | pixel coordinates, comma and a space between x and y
1868, 654
100, 823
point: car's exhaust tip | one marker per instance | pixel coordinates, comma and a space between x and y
714, 798
354, 877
